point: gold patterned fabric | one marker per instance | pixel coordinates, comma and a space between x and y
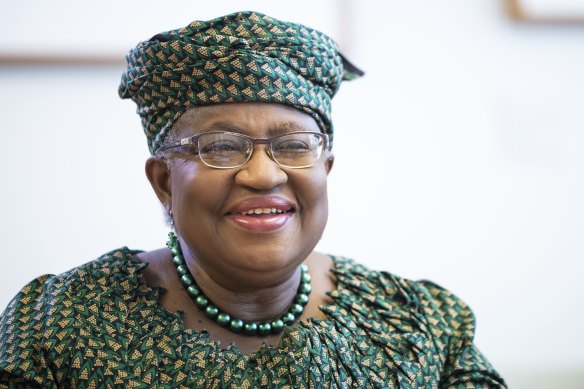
100, 326
245, 56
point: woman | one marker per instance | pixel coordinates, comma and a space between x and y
237, 116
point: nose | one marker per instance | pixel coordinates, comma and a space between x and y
261, 172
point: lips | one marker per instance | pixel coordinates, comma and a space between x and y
261, 214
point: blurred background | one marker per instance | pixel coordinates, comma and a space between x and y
459, 157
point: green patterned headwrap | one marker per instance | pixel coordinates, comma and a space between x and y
245, 56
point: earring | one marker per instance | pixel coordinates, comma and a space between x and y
171, 216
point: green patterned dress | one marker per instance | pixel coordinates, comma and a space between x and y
100, 326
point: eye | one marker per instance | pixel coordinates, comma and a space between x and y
294, 145
222, 146
186, 151
218, 143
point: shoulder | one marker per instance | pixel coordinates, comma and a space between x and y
445, 313
88, 286
113, 269
441, 303
111, 281
44, 317
412, 320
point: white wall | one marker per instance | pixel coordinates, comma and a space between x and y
459, 157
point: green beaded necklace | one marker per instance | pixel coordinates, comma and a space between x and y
261, 328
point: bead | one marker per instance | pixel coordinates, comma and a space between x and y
250, 328
304, 268
236, 325
201, 301
178, 260
305, 278
277, 326
305, 288
182, 269
187, 280
211, 311
174, 250
265, 328
301, 299
223, 319
288, 318
296, 310
193, 291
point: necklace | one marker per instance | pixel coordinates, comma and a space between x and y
226, 320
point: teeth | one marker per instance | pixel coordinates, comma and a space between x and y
260, 211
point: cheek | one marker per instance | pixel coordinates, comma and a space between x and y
183, 186
196, 192
314, 199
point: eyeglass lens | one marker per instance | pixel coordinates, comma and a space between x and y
230, 150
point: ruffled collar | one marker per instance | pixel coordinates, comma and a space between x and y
373, 332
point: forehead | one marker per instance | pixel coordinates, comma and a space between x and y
254, 119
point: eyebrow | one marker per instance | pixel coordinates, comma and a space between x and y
275, 130
284, 128
222, 126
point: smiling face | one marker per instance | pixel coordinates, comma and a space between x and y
258, 219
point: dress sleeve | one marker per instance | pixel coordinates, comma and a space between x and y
465, 365
22, 330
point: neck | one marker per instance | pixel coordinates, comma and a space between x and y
245, 301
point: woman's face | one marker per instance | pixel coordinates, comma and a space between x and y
216, 210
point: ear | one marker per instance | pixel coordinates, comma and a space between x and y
329, 162
158, 174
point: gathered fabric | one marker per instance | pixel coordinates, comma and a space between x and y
241, 57
100, 325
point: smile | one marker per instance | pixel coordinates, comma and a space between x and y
261, 214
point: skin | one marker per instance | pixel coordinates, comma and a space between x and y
251, 275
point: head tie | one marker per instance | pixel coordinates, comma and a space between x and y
245, 56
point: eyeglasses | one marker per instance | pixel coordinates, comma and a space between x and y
226, 150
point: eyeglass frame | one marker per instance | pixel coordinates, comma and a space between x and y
192, 140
